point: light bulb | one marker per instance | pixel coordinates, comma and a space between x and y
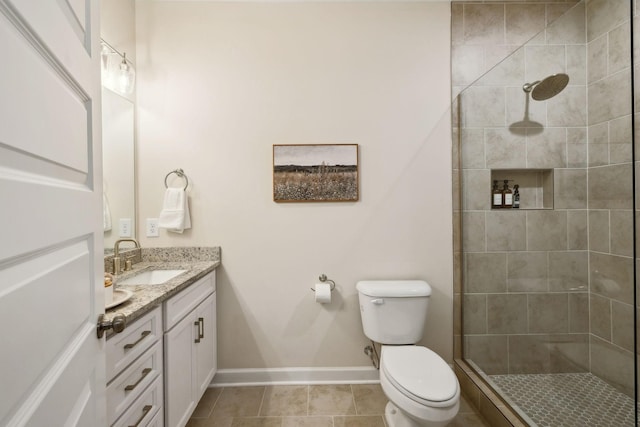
126, 77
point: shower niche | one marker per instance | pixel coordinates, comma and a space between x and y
535, 186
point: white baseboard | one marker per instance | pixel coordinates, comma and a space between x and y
292, 376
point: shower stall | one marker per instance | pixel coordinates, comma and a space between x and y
545, 291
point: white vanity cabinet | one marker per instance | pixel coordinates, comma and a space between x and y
189, 348
134, 373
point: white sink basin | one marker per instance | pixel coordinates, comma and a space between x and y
151, 277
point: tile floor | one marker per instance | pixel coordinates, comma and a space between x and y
570, 400
357, 405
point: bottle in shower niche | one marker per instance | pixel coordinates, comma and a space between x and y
496, 196
516, 197
507, 195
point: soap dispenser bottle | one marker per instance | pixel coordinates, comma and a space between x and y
516, 197
507, 195
496, 196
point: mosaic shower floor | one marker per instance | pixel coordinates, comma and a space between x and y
580, 400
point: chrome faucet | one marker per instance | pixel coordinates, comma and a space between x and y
117, 269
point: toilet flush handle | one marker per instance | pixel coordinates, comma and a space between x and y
377, 301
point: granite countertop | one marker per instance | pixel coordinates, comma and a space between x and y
146, 297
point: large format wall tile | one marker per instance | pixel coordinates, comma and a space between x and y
579, 312
612, 276
622, 325
613, 364
568, 28
475, 314
609, 98
610, 187
621, 236
568, 271
488, 351
603, 15
505, 149
473, 231
527, 272
547, 230
506, 231
577, 230
570, 188
548, 313
486, 272
484, 24
547, 149
523, 21
507, 314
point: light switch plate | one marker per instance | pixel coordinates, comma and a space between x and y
125, 227
152, 227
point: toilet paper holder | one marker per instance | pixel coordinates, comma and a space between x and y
323, 278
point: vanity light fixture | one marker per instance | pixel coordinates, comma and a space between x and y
118, 76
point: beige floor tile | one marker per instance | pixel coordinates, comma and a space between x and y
331, 400
307, 422
285, 400
466, 419
257, 422
238, 402
359, 421
209, 422
369, 399
205, 406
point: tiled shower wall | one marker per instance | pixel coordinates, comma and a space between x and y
610, 192
526, 273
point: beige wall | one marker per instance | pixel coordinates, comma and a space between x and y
220, 83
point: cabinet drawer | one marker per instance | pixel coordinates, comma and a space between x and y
157, 420
130, 384
124, 348
143, 411
181, 304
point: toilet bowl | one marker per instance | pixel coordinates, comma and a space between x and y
421, 387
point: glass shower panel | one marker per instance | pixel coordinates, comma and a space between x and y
547, 288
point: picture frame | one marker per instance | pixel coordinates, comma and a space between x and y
315, 173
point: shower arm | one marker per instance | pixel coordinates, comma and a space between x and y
527, 87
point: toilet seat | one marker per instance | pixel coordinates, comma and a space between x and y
420, 374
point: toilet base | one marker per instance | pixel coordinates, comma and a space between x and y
397, 418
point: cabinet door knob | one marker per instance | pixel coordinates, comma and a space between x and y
118, 323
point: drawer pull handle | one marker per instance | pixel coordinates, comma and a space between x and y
198, 334
145, 372
145, 411
201, 321
142, 335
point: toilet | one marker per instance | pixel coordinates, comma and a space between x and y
421, 387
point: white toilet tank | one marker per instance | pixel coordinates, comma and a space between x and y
393, 311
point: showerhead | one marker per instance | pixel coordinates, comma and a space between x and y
548, 88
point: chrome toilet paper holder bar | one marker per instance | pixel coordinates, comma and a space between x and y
323, 278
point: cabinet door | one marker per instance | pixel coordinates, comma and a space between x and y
179, 350
205, 362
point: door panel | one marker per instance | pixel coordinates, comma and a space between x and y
51, 292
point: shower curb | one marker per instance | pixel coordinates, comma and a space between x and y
484, 398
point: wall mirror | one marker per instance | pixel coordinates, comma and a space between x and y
118, 161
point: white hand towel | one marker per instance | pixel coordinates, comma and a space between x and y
175, 211
106, 213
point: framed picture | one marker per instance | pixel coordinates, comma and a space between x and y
315, 173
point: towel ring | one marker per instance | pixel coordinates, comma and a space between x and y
323, 278
181, 174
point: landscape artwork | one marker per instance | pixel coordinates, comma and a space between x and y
315, 173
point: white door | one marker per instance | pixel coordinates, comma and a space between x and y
51, 362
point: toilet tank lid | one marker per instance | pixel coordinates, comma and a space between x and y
394, 288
